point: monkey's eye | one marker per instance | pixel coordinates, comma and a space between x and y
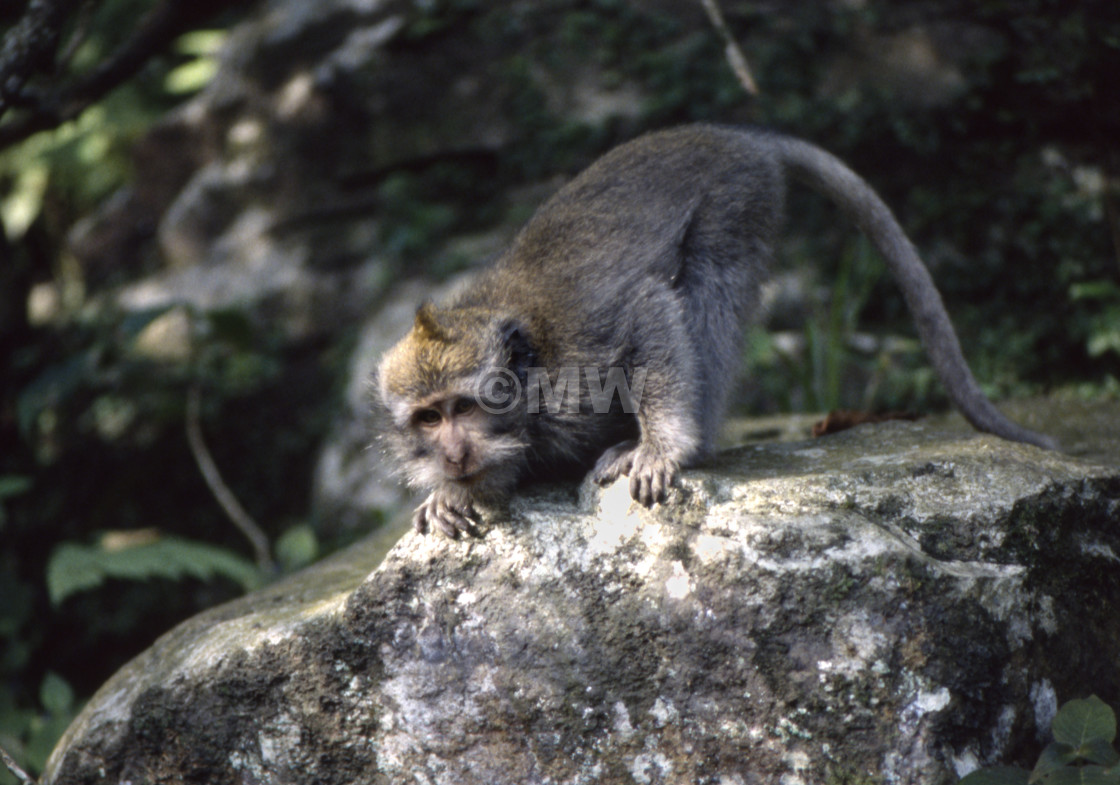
428, 416
463, 406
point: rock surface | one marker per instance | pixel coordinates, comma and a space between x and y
897, 603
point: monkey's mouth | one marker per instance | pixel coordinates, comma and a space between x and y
464, 476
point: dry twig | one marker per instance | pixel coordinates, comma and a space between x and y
735, 57
233, 509
11, 765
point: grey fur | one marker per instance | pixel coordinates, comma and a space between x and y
653, 258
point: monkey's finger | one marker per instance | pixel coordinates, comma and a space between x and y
640, 489
465, 524
447, 528
607, 471
445, 519
658, 485
420, 519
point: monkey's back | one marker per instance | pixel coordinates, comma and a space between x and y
668, 220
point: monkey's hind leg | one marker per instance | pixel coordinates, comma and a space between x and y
615, 462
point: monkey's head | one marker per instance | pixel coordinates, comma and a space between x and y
451, 395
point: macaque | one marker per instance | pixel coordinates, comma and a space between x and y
608, 336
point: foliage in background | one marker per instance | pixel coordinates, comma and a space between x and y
1004, 188
84, 161
103, 399
1082, 752
70, 388
1103, 334
1005, 227
75, 568
820, 361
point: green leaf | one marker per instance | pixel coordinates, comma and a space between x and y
1080, 721
1105, 337
74, 568
22, 205
201, 42
191, 76
1095, 290
1101, 752
297, 547
194, 74
56, 695
997, 775
1086, 775
1054, 757
13, 485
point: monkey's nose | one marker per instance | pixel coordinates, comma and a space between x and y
455, 465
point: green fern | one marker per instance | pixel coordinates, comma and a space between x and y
75, 568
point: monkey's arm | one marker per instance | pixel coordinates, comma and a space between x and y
665, 394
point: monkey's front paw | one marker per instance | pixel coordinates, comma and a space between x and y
450, 516
651, 472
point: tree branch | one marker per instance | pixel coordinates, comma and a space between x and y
155, 32
29, 48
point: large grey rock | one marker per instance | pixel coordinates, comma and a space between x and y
898, 603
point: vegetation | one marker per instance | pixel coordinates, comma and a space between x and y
109, 531
1082, 752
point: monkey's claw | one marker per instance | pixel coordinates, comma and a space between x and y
451, 518
650, 481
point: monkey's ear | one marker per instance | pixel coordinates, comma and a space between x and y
426, 323
515, 338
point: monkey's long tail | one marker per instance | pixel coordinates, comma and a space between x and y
830, 176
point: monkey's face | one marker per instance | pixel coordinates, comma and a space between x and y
453, 438
454, 434
451, 391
